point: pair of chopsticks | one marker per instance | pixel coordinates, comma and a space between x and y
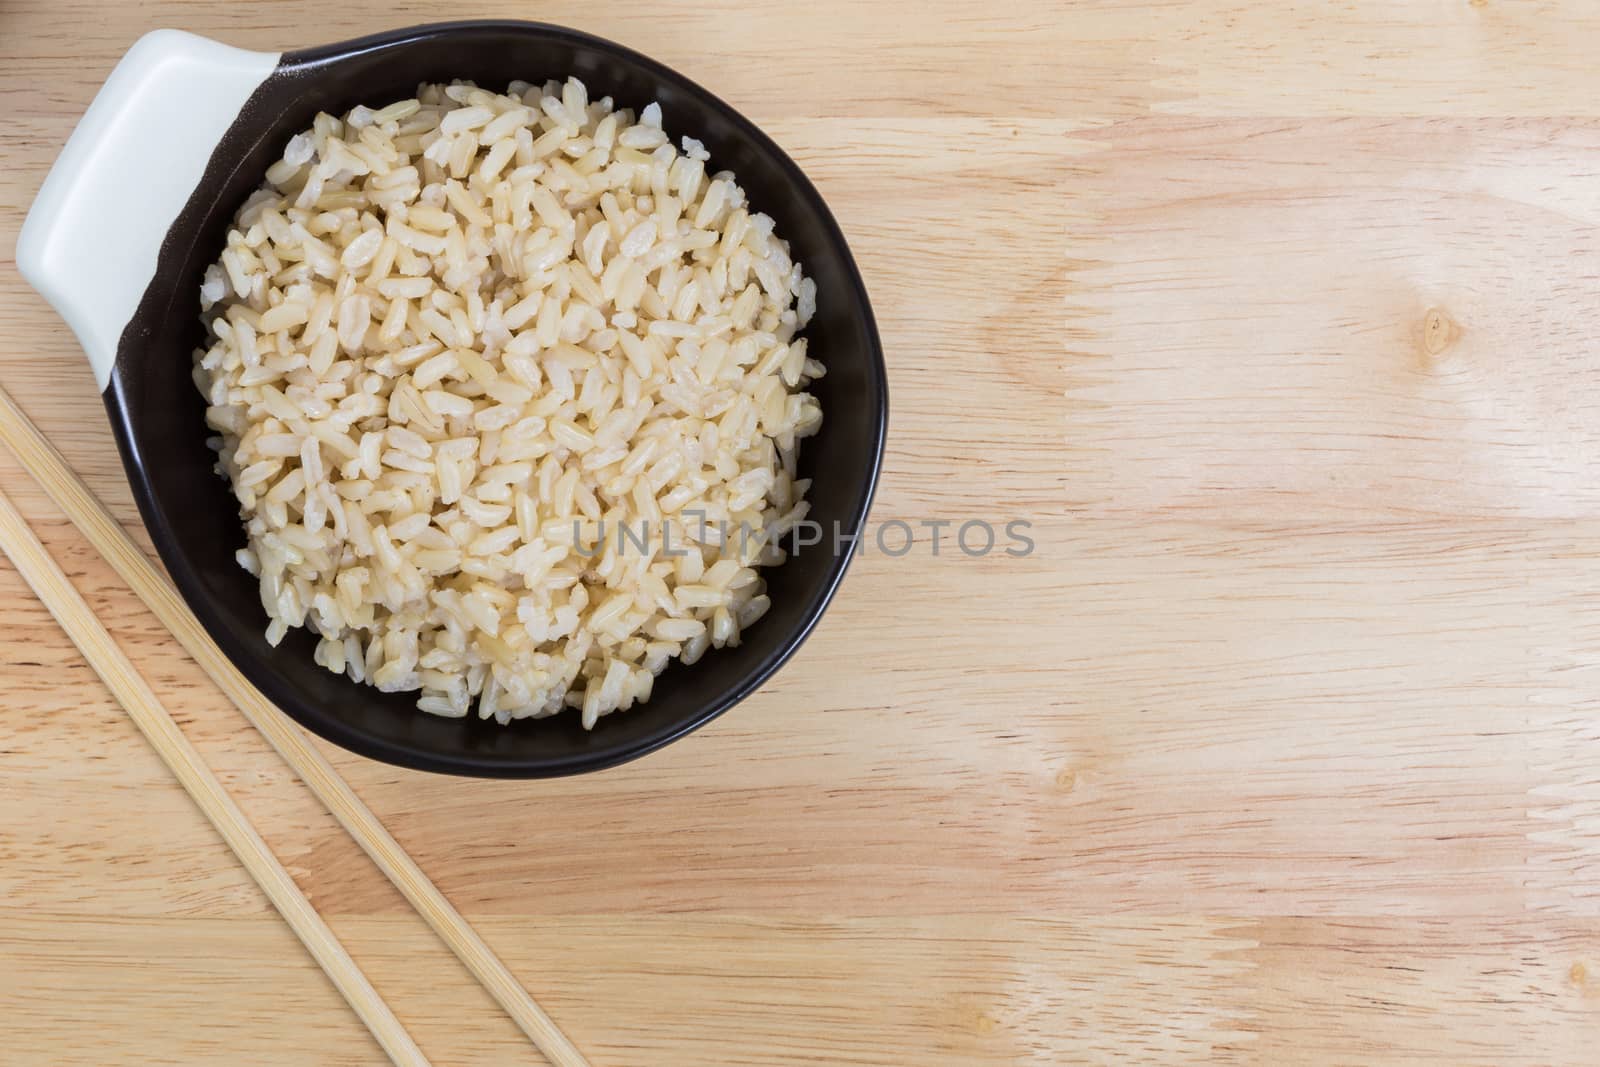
41, 573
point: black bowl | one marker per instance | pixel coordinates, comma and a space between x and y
193, 519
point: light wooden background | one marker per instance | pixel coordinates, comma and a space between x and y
1279, 323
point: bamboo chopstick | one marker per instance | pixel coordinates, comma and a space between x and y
91, 518
153, 720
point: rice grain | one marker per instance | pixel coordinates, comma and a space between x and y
475, 360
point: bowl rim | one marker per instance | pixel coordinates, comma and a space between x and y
302, 66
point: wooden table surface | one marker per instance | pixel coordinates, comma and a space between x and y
1277, 321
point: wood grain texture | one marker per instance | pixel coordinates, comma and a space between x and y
1277, 323
147, 712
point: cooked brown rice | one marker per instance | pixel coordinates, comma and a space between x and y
456, 345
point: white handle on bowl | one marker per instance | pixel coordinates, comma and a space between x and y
91, 239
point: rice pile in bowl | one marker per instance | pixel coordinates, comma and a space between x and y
510, 393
